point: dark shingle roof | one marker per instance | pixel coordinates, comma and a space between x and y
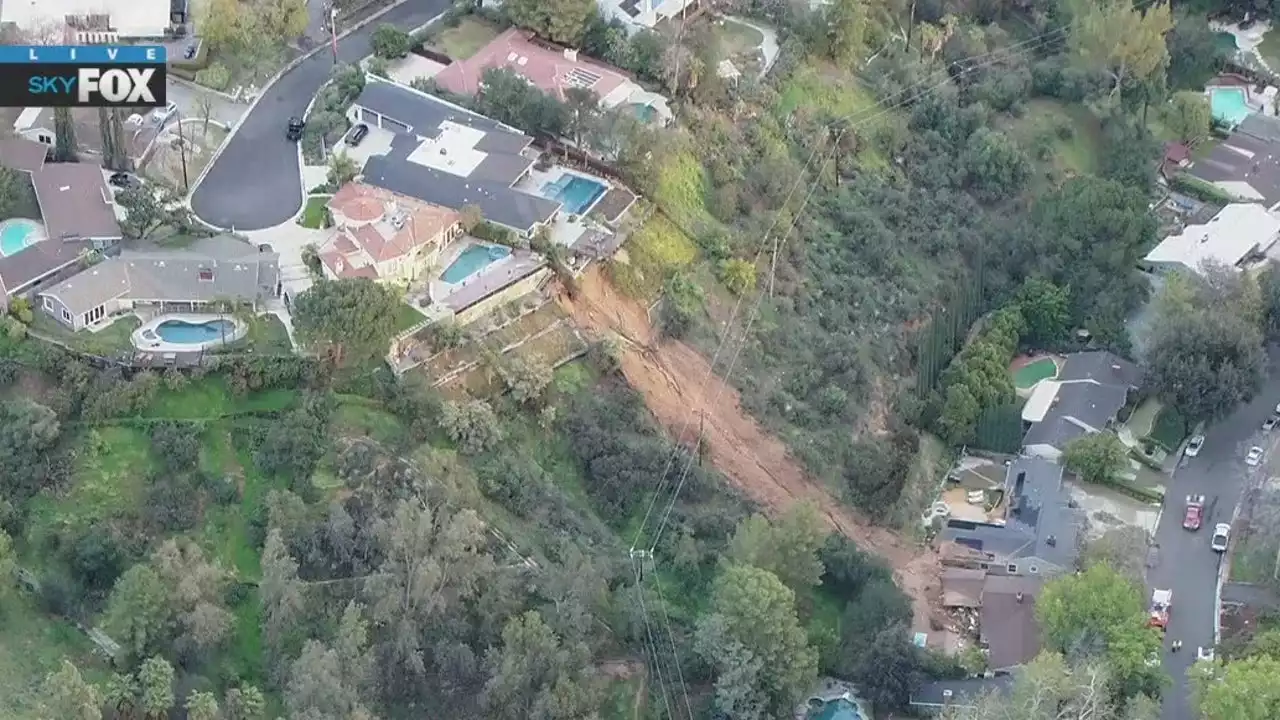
1102, 367
963, 692
22, 154
1008, 622
1244, 158
424, 113
19, 270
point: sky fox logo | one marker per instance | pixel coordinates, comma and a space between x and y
94, 86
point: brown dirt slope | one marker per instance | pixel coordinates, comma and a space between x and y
677, 384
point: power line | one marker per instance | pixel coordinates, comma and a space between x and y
650, 645
671, 635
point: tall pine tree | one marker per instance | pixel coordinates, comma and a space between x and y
64, 133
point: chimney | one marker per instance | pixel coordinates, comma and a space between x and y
571, 55
1051, 541
1018, 596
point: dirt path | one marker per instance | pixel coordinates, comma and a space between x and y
676, 384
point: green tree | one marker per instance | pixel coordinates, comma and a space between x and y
753, 623
526, 380
1096, 457
8, 568
1122, 40
202, 706
960, 412
1047, 309
738, 275
66, 695
121, 694
64, 136
1246, 689
28, 431
1188, 115
788, 549
286, 19
351, 320
846, 22
155, 682
534, 672
342, 169
562, 21
244, 703
138, 613
148, 210
390, 42
1194, 54
472, 425
1101, 610
996, 167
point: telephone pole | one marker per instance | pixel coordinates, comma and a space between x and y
182, 153
333, 31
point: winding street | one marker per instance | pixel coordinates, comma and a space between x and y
1185, 563
254, 183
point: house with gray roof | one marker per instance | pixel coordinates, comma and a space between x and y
933, 698
1246, 165
1039, 534
1085, 397
218, 270
446, 155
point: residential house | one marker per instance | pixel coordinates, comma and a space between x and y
554, 70
84, 22
1037, 534
1247, 164
381, 235
78, 213
1239, 232
637, 15
222, 269
445, 155
1177, 156
933, 698
1005, 606
1085, 397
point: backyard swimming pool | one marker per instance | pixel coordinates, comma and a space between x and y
840, 709
1229, 105
17, 235
471, 261
181, 332
576, 192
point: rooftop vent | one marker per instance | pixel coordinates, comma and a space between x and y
571, 55
947, 694
522, 61
397, 221
1018, 596
64, 188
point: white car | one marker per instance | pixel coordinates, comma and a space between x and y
1221, 534
1254, 458
1193, 447
161, 115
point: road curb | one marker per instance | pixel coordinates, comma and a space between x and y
292, 65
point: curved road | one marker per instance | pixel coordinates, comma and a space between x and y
254, 183
1186, 565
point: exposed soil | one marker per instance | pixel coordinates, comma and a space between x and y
678, 386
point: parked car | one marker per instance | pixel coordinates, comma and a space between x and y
1193, 447
160, 116
1221, 535
1194, 513
1254, 458
191, 51
357, 135
1271, 423
124, 180
296, 126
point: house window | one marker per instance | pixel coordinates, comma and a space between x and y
206, 275
48, 304
1013, 568
66, 315
46, 139
95, 314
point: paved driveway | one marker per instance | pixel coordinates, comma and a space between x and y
254, 183
1186, 565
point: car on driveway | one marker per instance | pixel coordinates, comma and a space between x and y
124, 181
1193, 447
357, 135
160, 116
1195, 512
296, 126
1254, 458
1221, 535
1271, 423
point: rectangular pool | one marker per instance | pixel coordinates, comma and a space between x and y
575, 192
473, 260
1229, 105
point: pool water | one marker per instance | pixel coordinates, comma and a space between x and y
840, 710
575, 192
16, 236
644, 113
471, 261
180, 332
1229, 105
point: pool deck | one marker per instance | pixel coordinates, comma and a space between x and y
142, 341
37, 234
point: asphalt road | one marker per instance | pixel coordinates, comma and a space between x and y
1186, 565
254, 183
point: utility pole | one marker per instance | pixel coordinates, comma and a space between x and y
182, 153
333, 31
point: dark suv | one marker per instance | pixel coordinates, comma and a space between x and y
357, 135
295, 129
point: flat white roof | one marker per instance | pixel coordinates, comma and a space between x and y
452, 151
1040, 401
1241, 228
130, 18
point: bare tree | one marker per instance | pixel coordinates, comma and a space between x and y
204, 106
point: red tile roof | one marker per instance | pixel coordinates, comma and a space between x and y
365, 232
549, 70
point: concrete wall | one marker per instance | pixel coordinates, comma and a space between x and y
503, 296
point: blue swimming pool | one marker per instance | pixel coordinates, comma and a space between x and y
840, 710
180, 332
471, 261
576, 192
17, 235
1229, 105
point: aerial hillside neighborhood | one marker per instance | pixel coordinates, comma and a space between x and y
645, 360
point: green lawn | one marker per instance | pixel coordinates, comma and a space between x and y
1169, 428
315, 213
211, 398
465, 40
1072, 133
266, 336
407, 316
736, 38
1269, 48
1143, 419
108, 481
111, 340
34, 645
